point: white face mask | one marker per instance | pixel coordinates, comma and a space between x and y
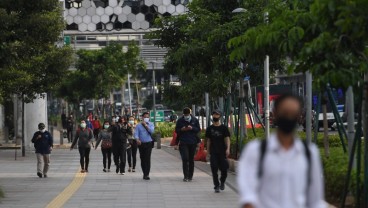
43, 130
83, 125
187, 118
131, 122
146, 120
106, 126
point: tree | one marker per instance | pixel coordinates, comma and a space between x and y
99, 72
30, 62
198, 51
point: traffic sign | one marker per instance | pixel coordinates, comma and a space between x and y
159, 116
67, 40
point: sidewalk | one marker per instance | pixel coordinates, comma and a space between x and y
165, 189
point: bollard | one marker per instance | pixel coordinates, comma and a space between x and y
158, 140
61, 137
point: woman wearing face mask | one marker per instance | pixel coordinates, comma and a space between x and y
106, 146
132, 148
84, 136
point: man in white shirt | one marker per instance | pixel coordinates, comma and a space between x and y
282, 171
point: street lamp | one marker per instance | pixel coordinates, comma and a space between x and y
266, 81
154, 91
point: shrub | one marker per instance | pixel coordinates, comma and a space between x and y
166, 129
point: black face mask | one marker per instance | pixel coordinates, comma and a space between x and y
216, 119
286, 125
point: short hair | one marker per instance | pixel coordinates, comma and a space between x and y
187, 110
286, 96
145, 113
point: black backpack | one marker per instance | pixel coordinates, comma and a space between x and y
307, 153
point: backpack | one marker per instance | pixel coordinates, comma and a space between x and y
307, 153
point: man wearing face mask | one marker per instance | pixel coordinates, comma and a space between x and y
281, 171
143, 135
120, 134
43, 144
187, 129
218, 147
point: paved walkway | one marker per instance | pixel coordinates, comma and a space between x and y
165, 189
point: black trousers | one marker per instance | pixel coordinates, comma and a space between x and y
120, 157
187, 152
84, 157
219, 162
106, 157
69, 133
145, 150
132, 154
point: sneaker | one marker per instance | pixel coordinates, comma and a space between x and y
86, 170
185, 180
44, 175
104, 170
147, 178
108, 170
83, 171
117, 169
217, 190
133, 170
122, 173
222, 186
130, 170
39, 174
190, 179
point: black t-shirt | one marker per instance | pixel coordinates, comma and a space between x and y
217, 135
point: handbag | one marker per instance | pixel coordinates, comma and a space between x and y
106, 144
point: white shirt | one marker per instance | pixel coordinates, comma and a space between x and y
284, 180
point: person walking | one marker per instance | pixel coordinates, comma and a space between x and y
282, 171
143, 135
84, 137
187, 129
120, 133
70, 127
43, 143
106, 146
218, 147
132, 147
96, 125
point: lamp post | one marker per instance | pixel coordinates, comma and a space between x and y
154, 91
266, 81
130, 96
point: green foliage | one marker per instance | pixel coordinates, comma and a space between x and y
30, 62
2, 195
99, 71
324, 37
166, 129
198, 51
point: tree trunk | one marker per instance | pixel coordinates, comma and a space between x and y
365, 133
138, 97
325, 131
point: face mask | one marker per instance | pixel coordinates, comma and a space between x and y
146, 120
131, 122
187, 118
106, 126
286, 125
216, 119
83, 125
42, 130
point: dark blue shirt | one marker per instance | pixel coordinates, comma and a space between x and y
188, 137
43, 144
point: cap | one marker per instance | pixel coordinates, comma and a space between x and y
218, 112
